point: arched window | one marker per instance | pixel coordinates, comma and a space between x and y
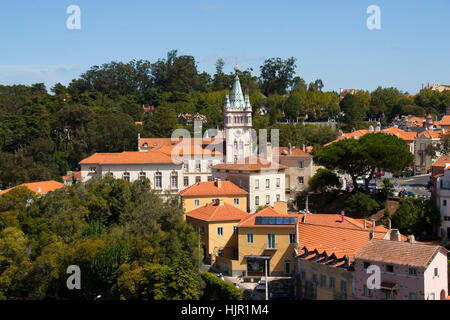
126, 176
235, 146
142, 176
158, 180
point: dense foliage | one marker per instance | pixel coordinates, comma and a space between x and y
218, 289
127, 241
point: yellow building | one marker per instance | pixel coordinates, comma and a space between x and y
217, 224
268, 235
202, 193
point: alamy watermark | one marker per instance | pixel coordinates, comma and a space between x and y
374, 20
73, 22
74, 280
374, 280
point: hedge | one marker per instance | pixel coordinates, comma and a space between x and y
218, 289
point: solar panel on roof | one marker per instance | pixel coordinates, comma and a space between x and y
274, 220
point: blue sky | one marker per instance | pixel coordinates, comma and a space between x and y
329, 38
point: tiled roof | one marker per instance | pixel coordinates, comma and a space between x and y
266, 212
130, 157
431, 134
41, 187
249, 164
295, 152
155, 142
206, 146
69, 177
445, 120
215, 212
211, 188
401, 253
326, 233
402, 134
442, 161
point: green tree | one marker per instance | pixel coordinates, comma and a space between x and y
324, 179
277, 75
360, 205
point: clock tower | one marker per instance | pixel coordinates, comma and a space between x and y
237, 122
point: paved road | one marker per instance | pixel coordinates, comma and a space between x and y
415, 184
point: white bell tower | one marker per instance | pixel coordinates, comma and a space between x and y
237, 122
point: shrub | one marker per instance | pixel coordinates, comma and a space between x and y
218, 289
360, 205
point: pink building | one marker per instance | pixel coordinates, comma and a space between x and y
408, 270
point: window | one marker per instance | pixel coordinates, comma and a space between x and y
92, 170
300, 164
431, 296
235, 145
268, 199
287, 266
202, 230
278, 182
186, 167
366, 265
257, 201
367, 291
126, 176
271, 241
343, 287
236, 201
292, 238
220, 253
412, 296
389, 295
198, 166
332, 283
314, 278
174, 180
196, 203
220, 231
267, 183
300, 180
198, 179
444, 202
210, 178
142, 176
323, 281
390, 268
257, 184
186, 181
412, 272
158, 180
250, 238
436, 272
303, 275
278, 197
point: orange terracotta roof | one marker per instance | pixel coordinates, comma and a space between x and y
295, 152
40, 187
155, 142
309, 149
350, 135
431, 134
266, 212
405, 135
69, 177
211, 188
326, 233
205, 146
249, 164
215, 212
401, 253
139, 123
442, 161
445, 121
130, 157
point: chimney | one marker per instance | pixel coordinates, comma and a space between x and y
395, 235
304, 217
304, 148
39, 190
289, 148
371, 234
373, 223
218, 183
269, 152
390, 224
411, 239
139, 142
365, 224
307, 204
342, 216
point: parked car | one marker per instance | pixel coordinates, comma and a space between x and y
261, 285
378, 174
220, 275
236, 285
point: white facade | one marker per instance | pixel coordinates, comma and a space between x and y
443, 202
164, 177
264, 187
237, 122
